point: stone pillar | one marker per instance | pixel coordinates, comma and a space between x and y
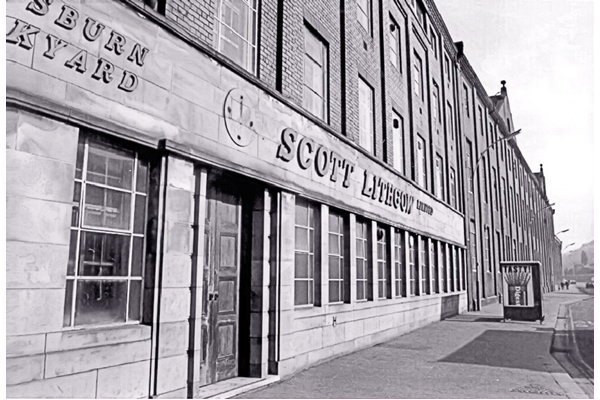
352, 254
287, 350
40, 173
392, 261
260, 274
197, 283
323, 247
406, 265
374, 268
174, 303
418, 286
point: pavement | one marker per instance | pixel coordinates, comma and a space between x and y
472, 355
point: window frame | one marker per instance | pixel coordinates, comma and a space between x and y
312, 211
395, 44
421, 163
341, 256
398, 143
366, 139
365, 243
418, 89
399, 263
79, 227
368, 15
252, 47
309, 32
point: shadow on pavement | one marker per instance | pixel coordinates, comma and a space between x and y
585, 344
505, 349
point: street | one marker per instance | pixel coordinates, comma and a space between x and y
582, 314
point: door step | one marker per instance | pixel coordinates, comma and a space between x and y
234, 386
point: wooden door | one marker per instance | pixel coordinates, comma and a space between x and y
221, 283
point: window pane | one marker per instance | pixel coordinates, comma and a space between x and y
301, 212
80, 153
100, 302
72, 254
140, 214
301, 265
313, 103
334, 268
135, 300
142, 177
334, 244
68, 303
107, 208
360, 268
76, 201
109, 166
301, 239
137, 257
334, 225
301, 292
233, 46
360, 290
334, 292
103, 254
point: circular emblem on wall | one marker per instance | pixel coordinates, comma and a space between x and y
239, 112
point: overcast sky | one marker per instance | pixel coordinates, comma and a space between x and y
544, 50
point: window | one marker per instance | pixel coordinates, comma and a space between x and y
455, 267
473, 245
420, 10
399, 262
304, 257
511, 203
412, 264
398, 142
363, 13
383, 271
486, 252
485, 180
395, 50
236, 31
365, 115
433, 266
470, 165
452, 188
466, 93
447, 67
362, 260
315, 75
499, 244
449, 123
336, 257
451, 268
444, 272
421, 163
439, 178
480, 120
423, 249
108, 231
495, 188
505, 196
436, 111
418, 76
433, 39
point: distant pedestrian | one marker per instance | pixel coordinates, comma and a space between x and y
567, 283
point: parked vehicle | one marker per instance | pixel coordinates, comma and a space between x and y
590, 284
573, 282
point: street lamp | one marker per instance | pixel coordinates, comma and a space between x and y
509, 136
539, 211
476, 267
569, 245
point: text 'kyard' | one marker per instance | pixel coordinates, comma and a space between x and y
23, 33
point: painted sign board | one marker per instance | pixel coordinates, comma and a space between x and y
521, 290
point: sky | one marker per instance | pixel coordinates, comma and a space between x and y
544, 50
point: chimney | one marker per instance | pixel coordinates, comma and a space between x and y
503, 88
460, 47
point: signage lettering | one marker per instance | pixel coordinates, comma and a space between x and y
424, 207
384, 192
309, 153
23, 33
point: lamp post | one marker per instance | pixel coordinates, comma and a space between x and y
475, 268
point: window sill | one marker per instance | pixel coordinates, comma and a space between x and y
94, 336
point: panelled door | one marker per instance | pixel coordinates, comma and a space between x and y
220, 307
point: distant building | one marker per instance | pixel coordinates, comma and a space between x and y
205, 190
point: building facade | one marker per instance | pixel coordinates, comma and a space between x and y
204, 190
